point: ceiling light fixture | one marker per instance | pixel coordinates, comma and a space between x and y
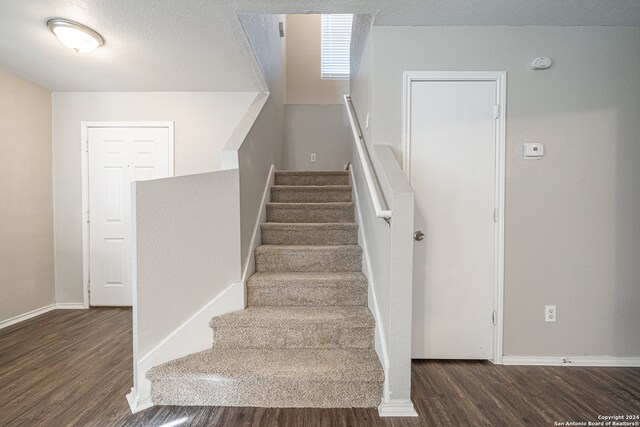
79, 38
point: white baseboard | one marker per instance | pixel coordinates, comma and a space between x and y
22, 317
604, 361
192, 336
38, 311
70, 306
136, 403
397, 408
249, 265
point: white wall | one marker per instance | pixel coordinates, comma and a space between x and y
320, 129
315, 119
203, 123
197, 212
572, 224
26, 216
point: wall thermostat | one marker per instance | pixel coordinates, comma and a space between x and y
541, 63
533, 150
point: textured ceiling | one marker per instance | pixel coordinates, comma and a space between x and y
150, 45
199, 45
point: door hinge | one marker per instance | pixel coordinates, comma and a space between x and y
494, 316
495, 215
86, 146
88, 218
496, 111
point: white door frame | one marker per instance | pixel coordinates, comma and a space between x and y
84, 155
500, 77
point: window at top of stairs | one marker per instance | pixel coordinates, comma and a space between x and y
336, 44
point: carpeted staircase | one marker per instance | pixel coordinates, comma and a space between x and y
306, 338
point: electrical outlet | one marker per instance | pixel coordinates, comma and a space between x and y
550, 313
313, 157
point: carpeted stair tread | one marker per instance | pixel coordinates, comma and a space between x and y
307, 289
274, 364
310, 173
291, 316
332, 233
307, 279
312, 178
272, 378
311, 212
310, 193
289, 258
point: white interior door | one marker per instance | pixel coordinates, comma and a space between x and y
117, 157
452, 136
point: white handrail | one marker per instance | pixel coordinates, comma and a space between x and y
365, 161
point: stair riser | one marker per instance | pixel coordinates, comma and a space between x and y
267, 393
307, 296
305, 236
312, 180
322, 195
304, 261
308, 336
313, 214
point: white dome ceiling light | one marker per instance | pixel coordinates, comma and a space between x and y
79, 38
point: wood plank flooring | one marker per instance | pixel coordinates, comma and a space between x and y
74, 368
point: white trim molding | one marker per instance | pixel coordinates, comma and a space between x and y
397, 408
603, 361
84, 155
42, 310
256, 239
71, 306
25, 316
500, 77
138, 403
190, 337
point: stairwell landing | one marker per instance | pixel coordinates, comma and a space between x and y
306, 337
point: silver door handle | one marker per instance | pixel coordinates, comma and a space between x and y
418, 235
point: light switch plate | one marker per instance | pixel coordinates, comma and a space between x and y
533, 150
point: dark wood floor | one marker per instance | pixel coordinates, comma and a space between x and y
74, 367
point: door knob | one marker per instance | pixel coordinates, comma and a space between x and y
418, 235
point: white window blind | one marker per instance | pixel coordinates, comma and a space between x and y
336, 44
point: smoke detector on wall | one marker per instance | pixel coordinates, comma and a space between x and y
540, 63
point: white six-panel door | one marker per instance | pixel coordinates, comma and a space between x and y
452, 134
116, 158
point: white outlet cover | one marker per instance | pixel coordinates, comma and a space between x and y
550, 313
